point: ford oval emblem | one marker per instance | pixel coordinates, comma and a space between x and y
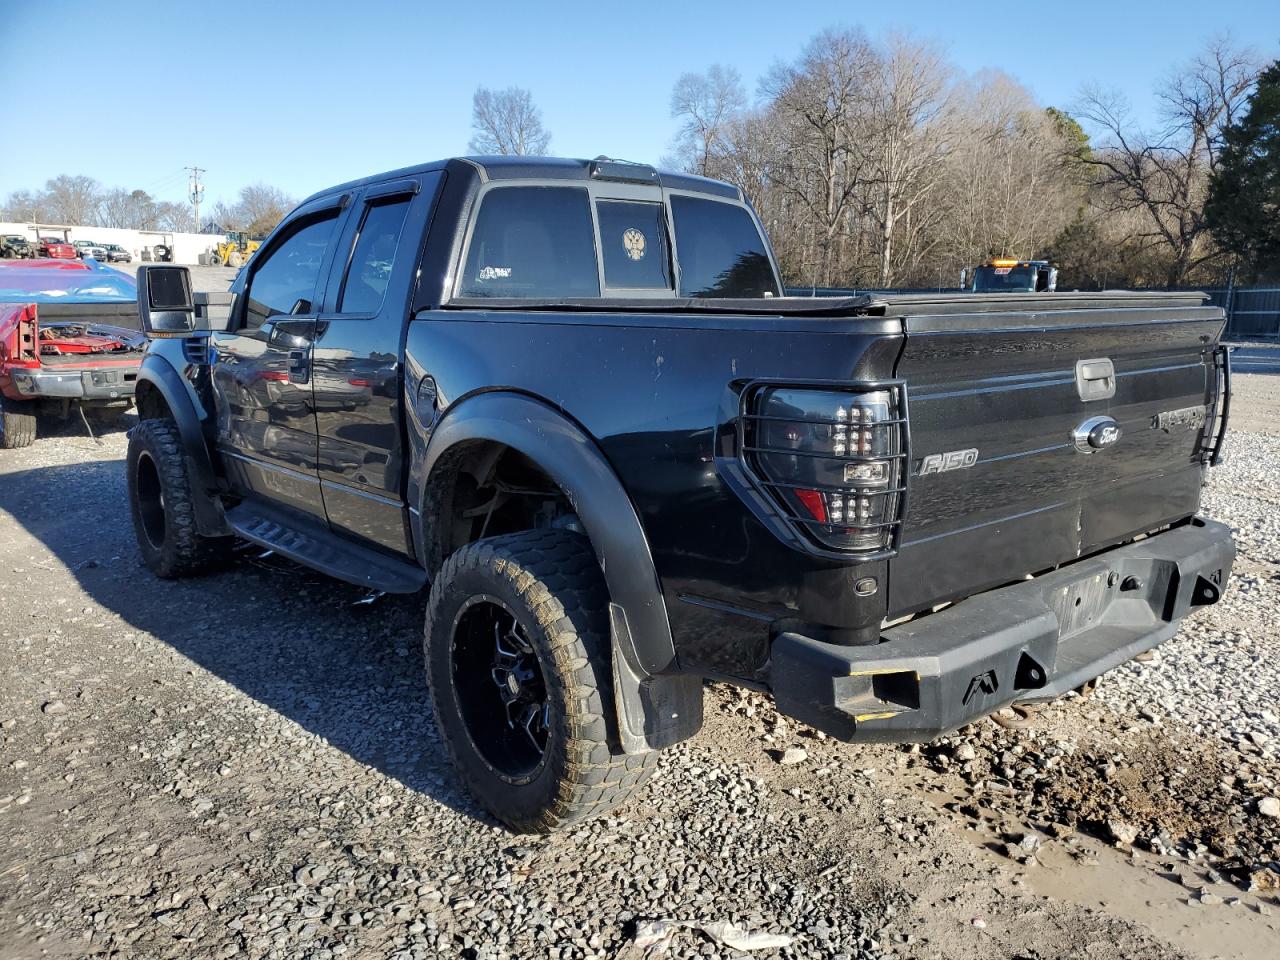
1104, 435
1096, 433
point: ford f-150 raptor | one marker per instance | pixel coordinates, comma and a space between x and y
568, 399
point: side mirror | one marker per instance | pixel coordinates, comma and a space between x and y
166, 307
964, 279
1053, 279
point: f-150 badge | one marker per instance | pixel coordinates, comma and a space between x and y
1183, 417
633, 243
951, 460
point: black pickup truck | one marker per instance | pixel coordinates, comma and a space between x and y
569, 398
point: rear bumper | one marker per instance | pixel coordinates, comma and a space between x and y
1032, 640
80, 383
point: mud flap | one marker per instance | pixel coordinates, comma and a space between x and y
652, 712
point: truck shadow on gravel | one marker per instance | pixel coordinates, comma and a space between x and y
293, 640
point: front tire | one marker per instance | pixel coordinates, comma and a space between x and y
17, 423
161, 504
518, 659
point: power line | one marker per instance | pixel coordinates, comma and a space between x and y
166, 180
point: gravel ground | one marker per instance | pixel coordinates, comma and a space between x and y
246, 766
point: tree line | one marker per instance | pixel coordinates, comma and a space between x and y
877, 164
83, 201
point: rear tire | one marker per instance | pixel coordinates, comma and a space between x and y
235, 260
17, 423
161, 504
518, 658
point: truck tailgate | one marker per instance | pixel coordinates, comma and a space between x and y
1000, 488
115, 314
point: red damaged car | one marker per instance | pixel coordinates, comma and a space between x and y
69, 342
56, 249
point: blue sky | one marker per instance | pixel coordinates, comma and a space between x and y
303, 95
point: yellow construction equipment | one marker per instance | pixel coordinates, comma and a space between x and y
235, 251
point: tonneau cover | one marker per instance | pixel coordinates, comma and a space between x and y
951, 305
769, 306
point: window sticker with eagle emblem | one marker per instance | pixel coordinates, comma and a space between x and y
633, 235
633, 241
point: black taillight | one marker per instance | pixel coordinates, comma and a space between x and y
833, 458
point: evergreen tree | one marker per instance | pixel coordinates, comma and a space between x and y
1243, 209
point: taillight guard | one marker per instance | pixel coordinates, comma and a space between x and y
833, 458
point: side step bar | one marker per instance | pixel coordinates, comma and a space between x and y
319, 548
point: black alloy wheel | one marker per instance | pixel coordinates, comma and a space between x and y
501, 692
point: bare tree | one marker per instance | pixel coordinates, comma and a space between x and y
870, 165
24, 205
133, 209
224, 216
706, 104
114, 209
261, 207
1164, 173
1006, 191
72, 200
180, 217
506, 122
257, 210
81, 201
908, 134
817, 104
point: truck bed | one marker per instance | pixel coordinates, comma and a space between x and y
123, 315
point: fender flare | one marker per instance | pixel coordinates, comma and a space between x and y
656, 705
211, 521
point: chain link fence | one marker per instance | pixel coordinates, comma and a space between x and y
1253, 313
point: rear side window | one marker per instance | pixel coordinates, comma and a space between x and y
365, 285
634, 240
720, 250
532, 242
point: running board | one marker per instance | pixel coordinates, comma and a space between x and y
319, 548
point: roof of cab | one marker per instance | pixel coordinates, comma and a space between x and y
537, 168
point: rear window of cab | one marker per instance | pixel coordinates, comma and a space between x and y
553, 242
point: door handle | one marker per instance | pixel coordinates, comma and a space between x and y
299, 366
1095, 379
288, 333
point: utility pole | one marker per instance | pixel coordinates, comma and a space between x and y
197, 191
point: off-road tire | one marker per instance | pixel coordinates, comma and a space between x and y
550, 581
17, 424
236, 259
160, 503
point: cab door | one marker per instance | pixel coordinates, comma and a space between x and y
262, 365
357, 374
